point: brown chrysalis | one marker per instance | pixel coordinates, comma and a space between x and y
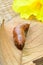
19, 35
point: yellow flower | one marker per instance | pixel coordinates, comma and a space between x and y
26, 8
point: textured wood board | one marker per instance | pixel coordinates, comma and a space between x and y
6, 11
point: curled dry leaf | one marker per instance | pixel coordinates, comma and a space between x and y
19, 35
10, 53
33, 47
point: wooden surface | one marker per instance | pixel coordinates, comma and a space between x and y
9, 54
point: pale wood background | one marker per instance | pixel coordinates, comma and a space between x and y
9, 54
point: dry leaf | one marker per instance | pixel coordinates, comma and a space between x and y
33, 45
9, 52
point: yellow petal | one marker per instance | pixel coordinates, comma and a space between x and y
26, 8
